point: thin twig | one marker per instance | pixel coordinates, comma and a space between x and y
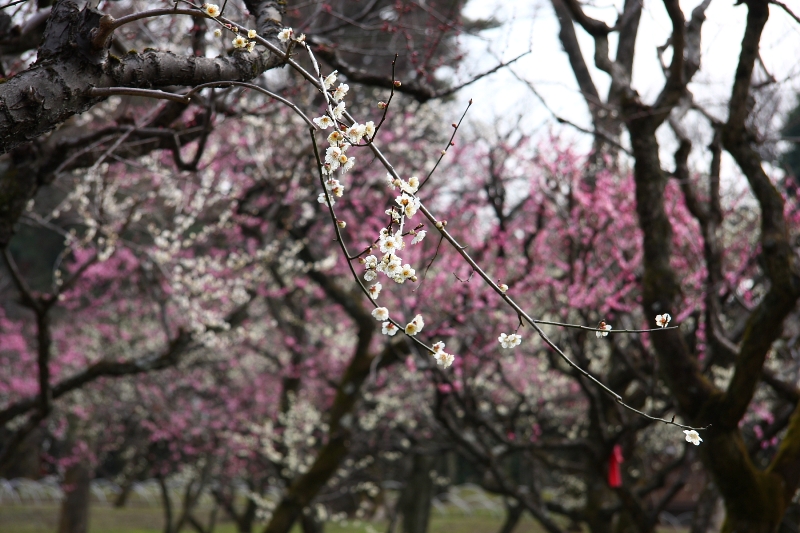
13, 4
389, 101
446, 148
102, 92
453, 90
786, 8
585, 328
436, 253
255, 88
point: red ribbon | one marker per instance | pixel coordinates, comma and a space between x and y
614, 462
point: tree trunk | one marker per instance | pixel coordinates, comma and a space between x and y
791, 520
311, 524
596, 519
513, 513
245, 522
75, 508
704, 515
415, 502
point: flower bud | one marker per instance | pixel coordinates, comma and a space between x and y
397, 83
382, 105
341, 224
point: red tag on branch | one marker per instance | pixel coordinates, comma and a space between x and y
614, 462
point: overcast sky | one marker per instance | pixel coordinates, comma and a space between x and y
532, 24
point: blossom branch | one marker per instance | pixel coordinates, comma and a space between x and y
520, 312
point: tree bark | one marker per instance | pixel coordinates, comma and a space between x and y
75, 507
514, 512
70, 65
704, 513
415, 501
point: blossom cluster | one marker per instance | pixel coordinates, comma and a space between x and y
238, 42
340, 139
509, 341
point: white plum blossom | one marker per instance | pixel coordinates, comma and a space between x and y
393, 268
693, 437
218, 33
375, 290
285, 34
419, 236
380, 314
251, 45
369, 129
338, 111
509, 341
355, 133
394, 214
410, 187
251, 34
321, 198
340, 92
239, 42
415, 326
333, 185
369, 275
604, 326
391, 243
663, 320
212, 10
324, 122
410, 204
444, 359
335, 137
347, 165
390, 264
330, 80
407, 272
387, 328
332, 154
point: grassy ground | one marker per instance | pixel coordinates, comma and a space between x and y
43, 519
